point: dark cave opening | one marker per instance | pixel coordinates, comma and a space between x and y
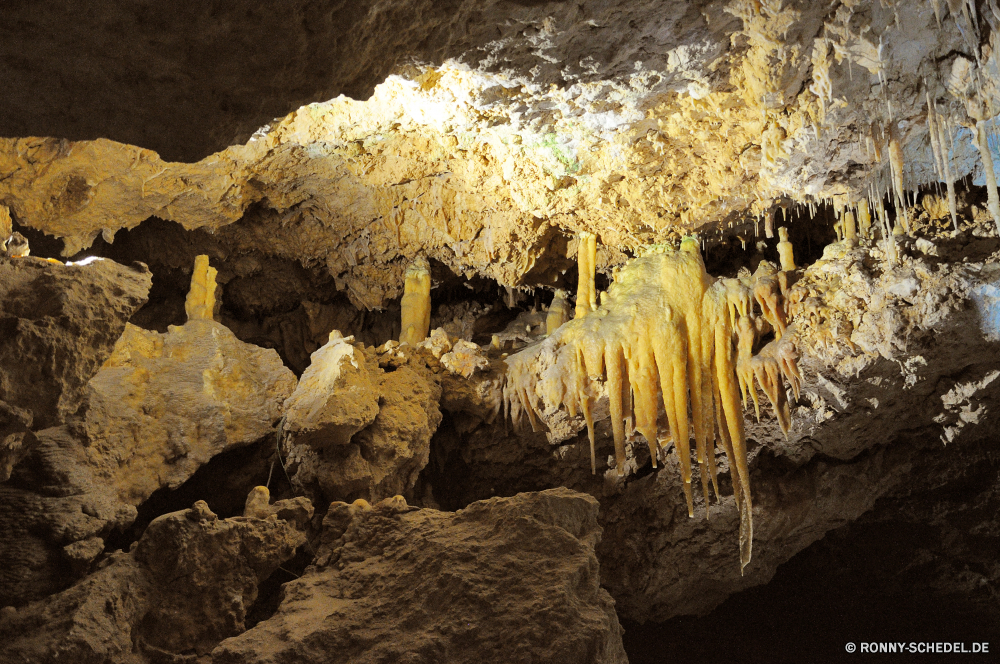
223, 482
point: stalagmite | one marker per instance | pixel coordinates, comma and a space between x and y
896, 166
850, 227
993, 200
416, 303
558, 312
785, 251
586, 292
864, 218
200, 303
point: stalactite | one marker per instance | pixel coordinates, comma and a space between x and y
944, 132
896, 166
932, 130
993, 200
663, 336
586, 292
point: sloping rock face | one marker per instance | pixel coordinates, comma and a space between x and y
355, 430
159, 408
508, 579
186, 586
58, 324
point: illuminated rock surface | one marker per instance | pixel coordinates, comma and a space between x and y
59, 325
164, 404
518, 153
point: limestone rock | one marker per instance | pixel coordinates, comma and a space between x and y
186, 586
335, 398
511, 579
207, 571
164, 404
355, 430
488, 165
54, 510
160, 407
58, 324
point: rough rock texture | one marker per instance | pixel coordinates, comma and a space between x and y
58, 324
509, 579
164, 404
56, 515
159, 408
724, 108
353, 430
186, 586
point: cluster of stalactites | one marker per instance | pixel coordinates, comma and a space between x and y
663, 342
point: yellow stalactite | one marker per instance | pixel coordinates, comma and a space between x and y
663, 343
586, 292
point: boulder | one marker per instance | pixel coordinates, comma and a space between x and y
186, 586
355, 430
164, 404
58, 324
506, 579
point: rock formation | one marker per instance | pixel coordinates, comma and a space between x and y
355, 325
515, 576
185, 586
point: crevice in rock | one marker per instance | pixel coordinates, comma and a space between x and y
223, 483
270, 591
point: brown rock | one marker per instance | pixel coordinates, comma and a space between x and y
186, 586
357, 431
160, 407
507, 579
58, 324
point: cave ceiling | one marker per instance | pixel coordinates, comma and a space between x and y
484, 136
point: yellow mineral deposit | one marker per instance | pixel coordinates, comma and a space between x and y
663, 337
200, 302
6, 226
896, 165
785, 252
586, 292
850, 226
416, 303
258, 504
769, 288
864, 218
558, 312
